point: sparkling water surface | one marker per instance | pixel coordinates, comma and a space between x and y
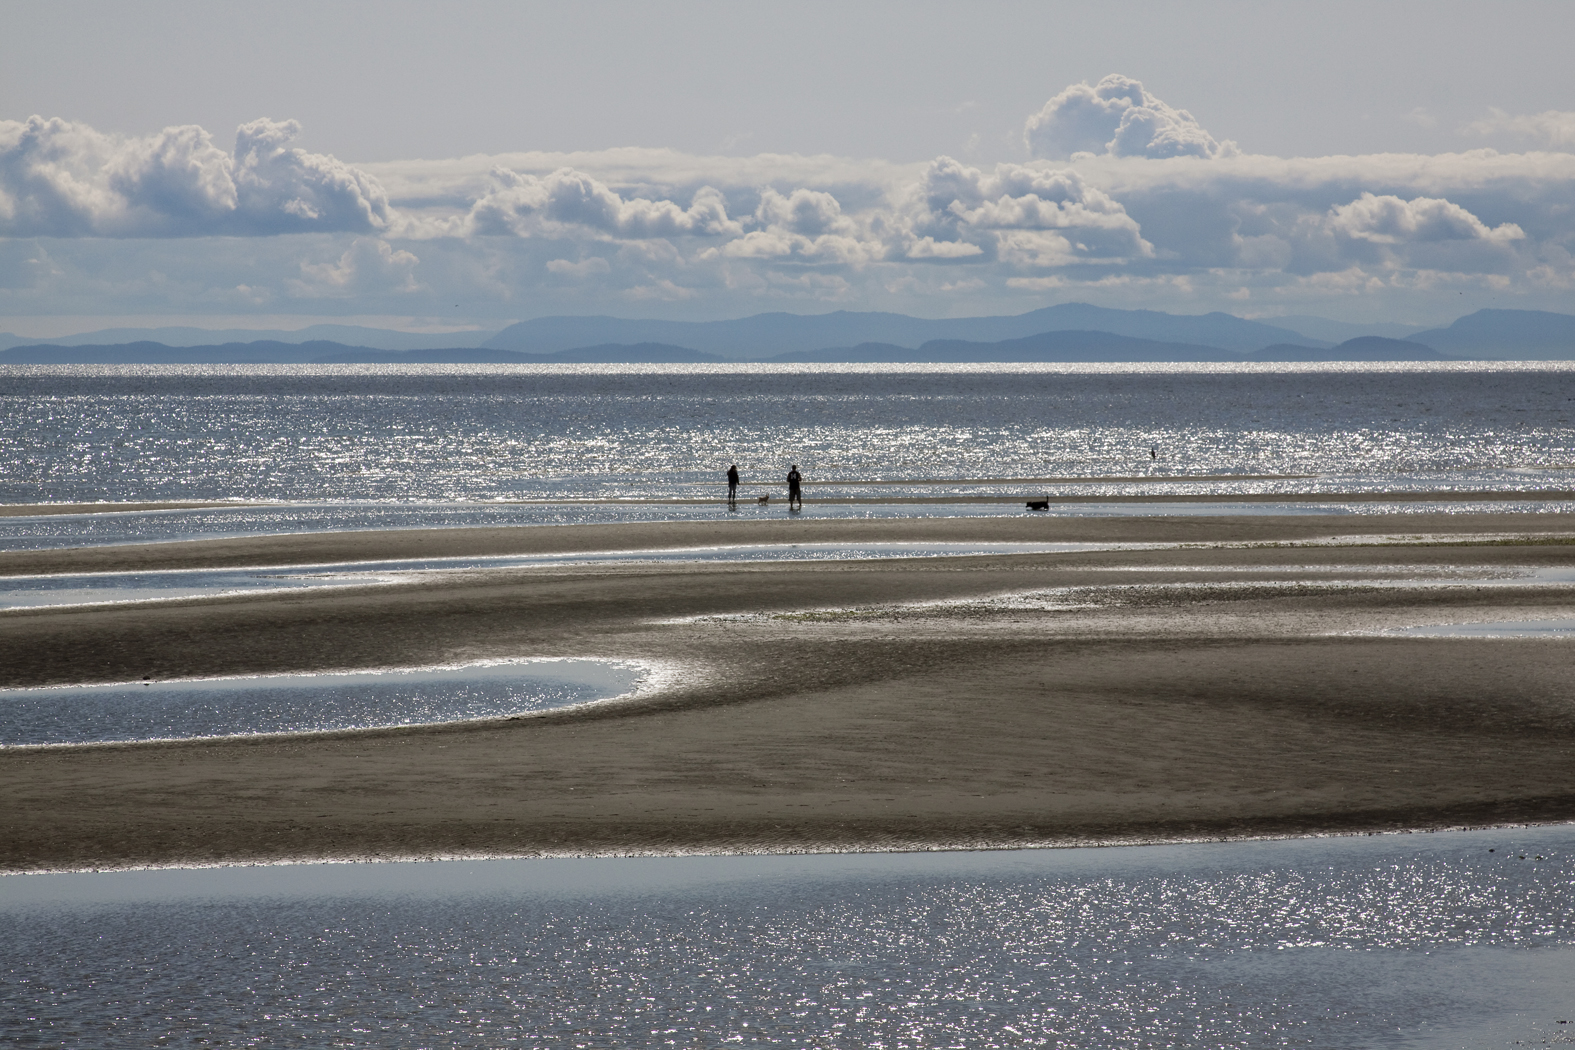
442, 433
1456, 939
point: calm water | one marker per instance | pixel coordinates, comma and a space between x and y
1405, 941
443, 433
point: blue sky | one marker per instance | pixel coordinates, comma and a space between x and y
448, 166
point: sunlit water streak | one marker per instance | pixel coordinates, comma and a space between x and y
1444, 940
18, 592
300, 703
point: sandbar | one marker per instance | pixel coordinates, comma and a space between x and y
1197, 678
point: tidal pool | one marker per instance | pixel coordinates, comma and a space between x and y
297, 703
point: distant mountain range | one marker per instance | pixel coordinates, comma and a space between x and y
1067, 333
346, 334
768, 335
1505, 335
1044, 347
1341, 331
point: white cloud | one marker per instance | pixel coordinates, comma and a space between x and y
807, 212
1390, 220
1553, 127
1021, 215
59, 179
526, 205
930, 248
633, 171
1117, 116
805, 226
274, 181
783, 246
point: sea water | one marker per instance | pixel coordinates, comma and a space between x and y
391, 434
413, 446
1463, 939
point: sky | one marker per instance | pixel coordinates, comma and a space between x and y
466, 165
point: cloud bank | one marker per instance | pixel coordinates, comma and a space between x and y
59, 179
1124, 199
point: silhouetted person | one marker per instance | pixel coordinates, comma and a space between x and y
794, 480
1153, 453
732, 484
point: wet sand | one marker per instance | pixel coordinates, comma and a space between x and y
1219, 686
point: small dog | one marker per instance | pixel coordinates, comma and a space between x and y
1038, 504
764, 500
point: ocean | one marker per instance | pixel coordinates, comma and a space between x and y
1444, 940
478, 433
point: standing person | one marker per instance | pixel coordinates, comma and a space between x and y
732, 484
794, 495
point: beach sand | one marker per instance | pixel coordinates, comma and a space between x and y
1234, 681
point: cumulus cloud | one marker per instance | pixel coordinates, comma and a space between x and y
928, 247
526, 205
806, 212
285, 190
1404, 239
368, 266
1021, 215
1390, 220
1553, 127
61, 179
805, 226
1117, 116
